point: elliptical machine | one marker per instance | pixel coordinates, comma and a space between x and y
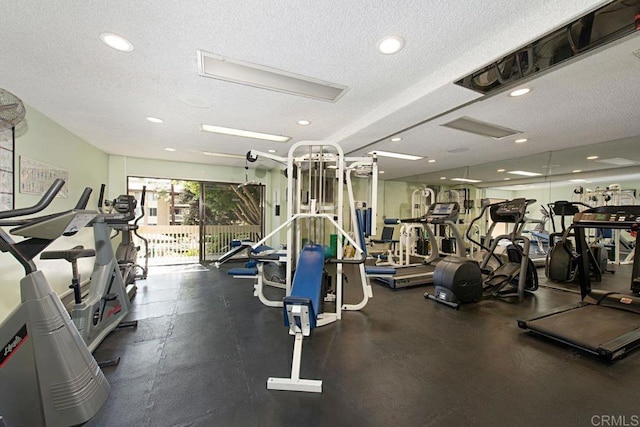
47, 374
127, 251
562, 260
461, 280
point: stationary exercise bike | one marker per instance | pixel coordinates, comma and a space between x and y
107, 303
47, 374
127, 251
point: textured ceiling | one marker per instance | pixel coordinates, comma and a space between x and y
53, 59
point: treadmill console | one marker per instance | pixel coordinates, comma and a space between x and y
625, 217
440, 212
511, 211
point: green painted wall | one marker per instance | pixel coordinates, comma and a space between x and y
45, 141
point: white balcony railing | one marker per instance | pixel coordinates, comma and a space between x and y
179, 244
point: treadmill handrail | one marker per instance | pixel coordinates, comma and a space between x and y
45, 201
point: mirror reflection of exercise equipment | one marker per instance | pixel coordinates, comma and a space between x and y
416, 258
460, 280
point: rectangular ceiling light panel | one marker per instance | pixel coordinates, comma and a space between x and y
618, 161
230, 70
395, 155
244, 133
465, 180
467, 124
524, 173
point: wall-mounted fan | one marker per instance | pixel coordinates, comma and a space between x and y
11, 110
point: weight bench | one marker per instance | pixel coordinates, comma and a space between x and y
300, 311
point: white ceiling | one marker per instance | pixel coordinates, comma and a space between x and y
53, 59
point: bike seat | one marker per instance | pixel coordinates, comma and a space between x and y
69, 254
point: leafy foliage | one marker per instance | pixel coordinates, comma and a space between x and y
225, 204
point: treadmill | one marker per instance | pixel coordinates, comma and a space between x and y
440, 215
604, 323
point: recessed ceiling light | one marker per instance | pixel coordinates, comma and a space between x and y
501, 170
576, 171
243, 133
170, 149
396, 139
521, 140
525, 173
304, 122
507, 179
592, 157
443, 177
395, 155
272, 151
465, 180
432, 160
520, 92
578, 180
155, 120
116, 42
229, 156
390, 44
380, 171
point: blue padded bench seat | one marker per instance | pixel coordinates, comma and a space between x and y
240, 271
380, 271
306, 288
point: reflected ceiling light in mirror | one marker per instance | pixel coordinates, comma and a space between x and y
396, 139
395, 155
154, 120
524, 173
521, 140
169, 149
390, 45
501, 170
116, 42
443, 177
520, 92
304, 122
432, 160
465, 180
592, 157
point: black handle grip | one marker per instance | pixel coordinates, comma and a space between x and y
144, 192
45, 201
101, 197
84, 198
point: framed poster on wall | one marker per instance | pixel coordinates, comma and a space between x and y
36, 177
7, 163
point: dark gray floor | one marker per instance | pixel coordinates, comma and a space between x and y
205, 347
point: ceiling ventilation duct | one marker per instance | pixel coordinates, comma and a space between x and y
604, 25
231, 70
477, 127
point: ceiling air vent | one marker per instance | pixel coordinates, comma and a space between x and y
468, 124
231, 70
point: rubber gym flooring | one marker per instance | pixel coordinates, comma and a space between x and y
205, 347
